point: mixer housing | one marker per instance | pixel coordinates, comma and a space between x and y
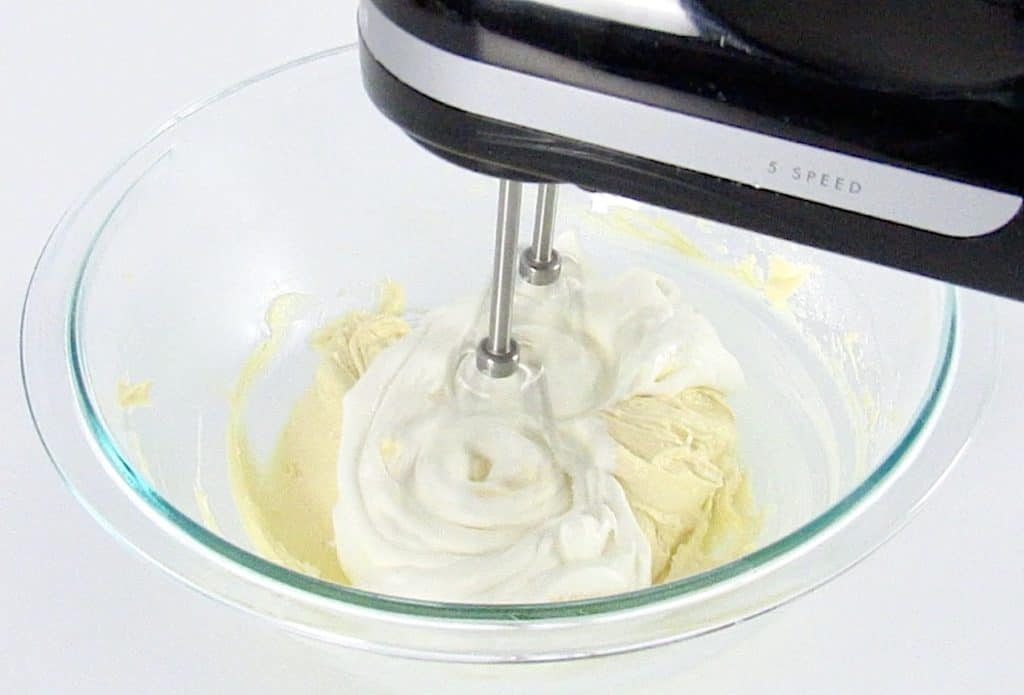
888, 133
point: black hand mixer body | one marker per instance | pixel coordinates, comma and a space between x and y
886, 131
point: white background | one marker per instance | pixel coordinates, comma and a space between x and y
937, 610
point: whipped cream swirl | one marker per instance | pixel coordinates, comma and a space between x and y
456, 487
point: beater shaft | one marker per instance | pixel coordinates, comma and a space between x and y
497, 355
540, 264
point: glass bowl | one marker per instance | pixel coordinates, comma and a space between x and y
861, 388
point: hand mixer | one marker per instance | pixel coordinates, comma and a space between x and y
893, 132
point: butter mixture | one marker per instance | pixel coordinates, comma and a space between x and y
608, 463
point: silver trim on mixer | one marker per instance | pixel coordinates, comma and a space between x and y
811, 173
668, 16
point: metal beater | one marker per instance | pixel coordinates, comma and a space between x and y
497, 355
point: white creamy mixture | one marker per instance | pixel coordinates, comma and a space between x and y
455, 487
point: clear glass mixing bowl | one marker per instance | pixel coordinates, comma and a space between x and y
861, 390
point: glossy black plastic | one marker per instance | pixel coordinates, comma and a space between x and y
974, 135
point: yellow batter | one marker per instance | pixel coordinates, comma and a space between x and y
676, 458
133, 394
677, 463
286, 503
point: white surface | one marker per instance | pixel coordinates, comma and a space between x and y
937, 610
762, 161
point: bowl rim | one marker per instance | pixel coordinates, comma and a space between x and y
41, 316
